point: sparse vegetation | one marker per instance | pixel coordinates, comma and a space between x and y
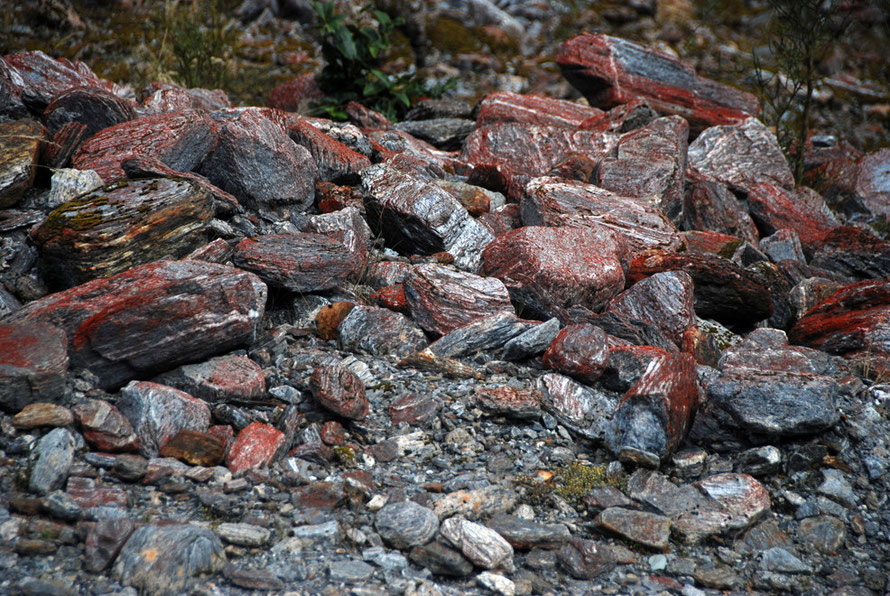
571, 482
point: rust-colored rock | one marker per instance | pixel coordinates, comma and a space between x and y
119, 226
194, 447
171, 98
42, 414
800, 209
254, 447
709, 206
158, 413
391, 297
221, 379
853, 253
611, 71
33, 363
663, 299
339, 390
504, 106
334, 160
104, 427
329, 318
296, 95
580, 351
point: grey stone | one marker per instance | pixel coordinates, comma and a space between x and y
481, 545
350, 571
780, 560
158, 412
825, 533
583, 410
488, 333
526, 534
379, 332
532, 341
68, 183
835, 487
242, 534
406, 524
54, 455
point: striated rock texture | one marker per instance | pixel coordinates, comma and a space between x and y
504, 106
33, 363
157, 413
93, 107
611, 71
20, 146
121, 225
153, 317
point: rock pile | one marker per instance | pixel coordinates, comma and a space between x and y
603, 348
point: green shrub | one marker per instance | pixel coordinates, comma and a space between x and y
353, 58
202, 43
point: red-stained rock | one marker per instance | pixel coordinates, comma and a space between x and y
713, 243
256, 160
104, 541
548, 271
158, 413
556, 202
40, 79
153, 317
622, 118
334, 160
379, 332
87, 493
339, 390
170, 98
504, 106
393, 144
20, 145
611, 71
509, 401
414, 409
709, 206
580, 351
33, 363
651, 161
740, 156
295, 95
225, 433
502, 220
733, 502
333, 433
852, 252
655, 413
194, 447
331, 197
475, 199
386, 273
416, 215
367, 118
225, 378
506, 156
779, 358
64, 145
254, 447
800, 209
664, 299
104, 427
626, 364
119, 226
329, 317
302, 262
441, 298
391, 297
94, 107
723, 290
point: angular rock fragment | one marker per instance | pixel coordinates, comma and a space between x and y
121, 225
509, 401
104, 541
334, 160
68, 183
88, 493
800, 209
549, 201
655, 413
550, 270
241, 534
33, 363
94, 107
610, 71
167, 557
296, 94
441, 559
255, 160
740, 156
379, 332
723, 290
414, 409
194, 447
20, 145
649, 529
339, 390
170, 98
416, 215
153, 317
442, 299
53, 457
487, 333
179, 140
158, 413
580, 351
481, 545
225, 378
104, 427
443, 133
709, 205
585, 559
782, 358
853, 253
583, 410
666, 299
406, 524
734, 502
532, 342
626, 364
506, 156
505, 106
254, 447
526, 534
40, 414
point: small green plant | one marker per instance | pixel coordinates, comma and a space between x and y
572, 482
354, 56
202, 40
800, 34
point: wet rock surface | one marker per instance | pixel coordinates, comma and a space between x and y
531, 347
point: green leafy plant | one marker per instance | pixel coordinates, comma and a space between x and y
800, 34
354, 56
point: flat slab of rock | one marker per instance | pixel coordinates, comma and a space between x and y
853, 253
157, 413
104, 541
92, 106
406, 524
740, 156
648, 529
379, 332
583, 410
549, 201
655, 413
735, 502
722, 290
442, 299
241, 534
40, 414
585, 559
480, 544
33, 363
224, 378
550, 270
121, 225
334, 160
254, 447
104, 427
532, 341
800, 209
167, 557
611, 71
710, 210
339, 390
526, 534
20, 145
416, 215
509, 401
179, 140
256, 161
195, 447
153, 317
665, 299
487, 333
505, 106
